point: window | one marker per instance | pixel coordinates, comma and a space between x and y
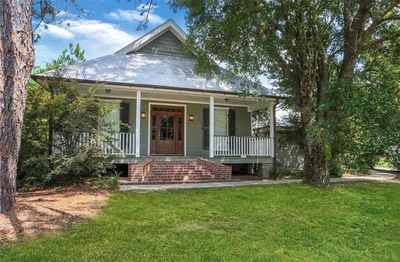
113, 119
224, 124
221, 122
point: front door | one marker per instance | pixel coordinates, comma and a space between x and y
167, 130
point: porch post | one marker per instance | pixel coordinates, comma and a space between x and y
138, 112
211, 128
272, 125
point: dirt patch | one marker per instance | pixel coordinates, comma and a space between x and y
38, 212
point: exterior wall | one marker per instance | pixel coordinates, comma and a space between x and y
166, 44
290, 155
194, 129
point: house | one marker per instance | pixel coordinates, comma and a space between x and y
179, 126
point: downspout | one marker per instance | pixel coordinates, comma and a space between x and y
275, 140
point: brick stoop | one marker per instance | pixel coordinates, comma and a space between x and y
153, 171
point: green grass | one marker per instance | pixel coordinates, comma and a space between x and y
353, 222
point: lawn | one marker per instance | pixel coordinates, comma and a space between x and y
356, 222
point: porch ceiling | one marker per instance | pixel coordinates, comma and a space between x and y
180, 96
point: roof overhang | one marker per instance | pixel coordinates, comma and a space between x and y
40, 78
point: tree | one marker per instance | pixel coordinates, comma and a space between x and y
307, 45
366, 122
62, 108
16, 61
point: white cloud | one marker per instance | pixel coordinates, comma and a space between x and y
55, 31
134, 16
97, 38
98, 32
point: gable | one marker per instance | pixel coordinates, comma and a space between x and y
168, 39
165, 44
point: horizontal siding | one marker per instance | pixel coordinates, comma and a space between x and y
194, 129
166, 44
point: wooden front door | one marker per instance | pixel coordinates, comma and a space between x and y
167, 124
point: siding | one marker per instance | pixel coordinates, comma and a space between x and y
166, 44
194, 129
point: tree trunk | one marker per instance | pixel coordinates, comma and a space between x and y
315, 161
16, 60
315, 164
51, 126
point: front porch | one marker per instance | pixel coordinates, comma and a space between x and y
185, 128
184, 123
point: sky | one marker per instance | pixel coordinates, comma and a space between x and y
104, 27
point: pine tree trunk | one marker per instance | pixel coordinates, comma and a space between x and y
16, 60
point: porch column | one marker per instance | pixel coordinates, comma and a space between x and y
272, 125
211, 128
138, 112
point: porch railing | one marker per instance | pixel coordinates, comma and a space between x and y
243, 146
118, 143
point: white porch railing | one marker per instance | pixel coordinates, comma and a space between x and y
243, 146
119, 143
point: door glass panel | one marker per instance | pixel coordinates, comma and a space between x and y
153, 127
163, 121
180, 128
166, 127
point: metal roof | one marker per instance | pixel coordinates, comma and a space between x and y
129, 67
151, 70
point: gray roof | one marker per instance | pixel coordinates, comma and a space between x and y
130, 66
142, 69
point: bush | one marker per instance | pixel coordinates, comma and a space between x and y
86, 161
108, 182
36, 171
62, 110
282, 172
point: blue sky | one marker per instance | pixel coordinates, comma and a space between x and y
108, 26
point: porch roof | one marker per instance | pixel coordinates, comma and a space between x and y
143, 69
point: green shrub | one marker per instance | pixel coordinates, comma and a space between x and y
35, 171
86, 161
108, 182
283, 171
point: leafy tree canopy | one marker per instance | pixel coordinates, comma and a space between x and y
314, 50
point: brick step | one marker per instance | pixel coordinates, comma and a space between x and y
178, 171
180, 177
176, 182
175, 172
180, 168
174, 163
